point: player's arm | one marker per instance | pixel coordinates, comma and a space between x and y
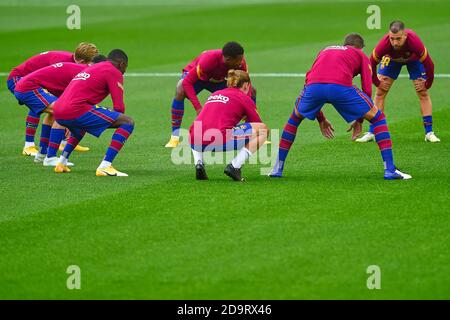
419, 48
251, 114
244, 67
374, 61
188, 85
377, 54
366, 75
115, 86
325, 126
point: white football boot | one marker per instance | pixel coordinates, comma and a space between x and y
367, 137
431, 137
53, 161
39, 157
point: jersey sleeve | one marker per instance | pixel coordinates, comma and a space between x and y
380, 50
244, 66
188, 86
251, 114
115, 86
417, 46
366, 75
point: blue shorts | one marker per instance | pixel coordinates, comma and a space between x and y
36, 100
350, 102
210, 86
241, 136
392, 69
95, 121
11, 83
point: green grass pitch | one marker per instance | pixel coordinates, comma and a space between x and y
159, 234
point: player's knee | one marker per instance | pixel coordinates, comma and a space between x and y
262, 129
128, 121
179, 92
380, 93
423, 94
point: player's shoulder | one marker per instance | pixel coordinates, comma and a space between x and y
412, 35
211, 55
59, 53
384, 41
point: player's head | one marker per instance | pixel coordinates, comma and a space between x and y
397, 34
85, 52
354, 40
119, 58
99, 58
238, 79
233, 53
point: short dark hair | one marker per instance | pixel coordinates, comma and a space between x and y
354, 40
232, 49
118, 55
396, 26
99, 58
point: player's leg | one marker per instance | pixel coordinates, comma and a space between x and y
253, 135
380, 96
200, 171
46, 127
177, 110
124, 127
354, 104
76, 134
78, 148
38, 101
57, 134
427, 111
383, 138
307, 105
418, 76
387, 73
31, 124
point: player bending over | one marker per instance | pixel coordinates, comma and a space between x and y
77, 110
398, 48
217, 128
38, 91
330, 81
207, 71
84, 54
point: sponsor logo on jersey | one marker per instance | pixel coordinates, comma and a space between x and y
82, 76
218, 98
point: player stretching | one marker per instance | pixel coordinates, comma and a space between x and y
398, 48
38, 91
207, 71
330, 81
216, 126
84, 54
77, 110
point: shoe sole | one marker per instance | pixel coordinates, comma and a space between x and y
105, 174
232, 177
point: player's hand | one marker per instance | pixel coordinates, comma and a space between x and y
356, 126
384, 85
420, 85
327, 129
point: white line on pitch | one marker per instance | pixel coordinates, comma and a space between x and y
254, 75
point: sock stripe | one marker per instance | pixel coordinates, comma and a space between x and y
53, 145
123, 132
